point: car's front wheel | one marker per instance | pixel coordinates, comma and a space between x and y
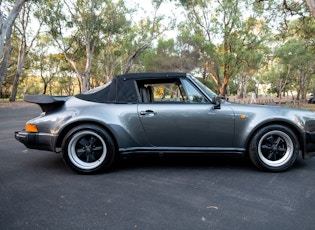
88, 149
274, 148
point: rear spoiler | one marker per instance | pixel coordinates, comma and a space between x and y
46, 102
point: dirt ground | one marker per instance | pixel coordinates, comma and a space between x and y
16, 105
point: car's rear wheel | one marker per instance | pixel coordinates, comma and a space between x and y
274, 148
88, 149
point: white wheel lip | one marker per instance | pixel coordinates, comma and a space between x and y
287, 156
76, 161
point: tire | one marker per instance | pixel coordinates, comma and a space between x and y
88, 149
274, 148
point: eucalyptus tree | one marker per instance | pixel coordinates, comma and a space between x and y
78, 27
219, 29
148, 30
311, 6
251, 42
26, 36
44, 63
9, 11
291, 69
115, 43
292, 6
171, 56
162, 58
121, 52
297, 53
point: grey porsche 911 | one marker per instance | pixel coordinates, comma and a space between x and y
164, 113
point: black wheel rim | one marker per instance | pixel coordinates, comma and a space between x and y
89, 148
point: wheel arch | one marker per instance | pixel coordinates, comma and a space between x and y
71, 126
294, 129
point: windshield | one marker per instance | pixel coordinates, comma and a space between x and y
204, 88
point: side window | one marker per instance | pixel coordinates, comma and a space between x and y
169, 91
193, 95
162, 92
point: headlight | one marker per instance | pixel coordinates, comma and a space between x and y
31, 128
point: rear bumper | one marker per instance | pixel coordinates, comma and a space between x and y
41, 141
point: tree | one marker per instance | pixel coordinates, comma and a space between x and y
6, 24
224, 38
251, 49
97, 28
148, 31
311, 6
120, 50
26, 39
112, 50
47, 65
162, 58
76, 27
170, 57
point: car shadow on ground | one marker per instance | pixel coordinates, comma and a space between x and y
49, 161
182, 162
54, 162
196, 163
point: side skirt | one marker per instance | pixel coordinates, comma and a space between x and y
161, 151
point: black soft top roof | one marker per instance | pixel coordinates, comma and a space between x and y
122, 89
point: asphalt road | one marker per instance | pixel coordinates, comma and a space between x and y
38, 191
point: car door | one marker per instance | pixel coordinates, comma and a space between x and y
193, 122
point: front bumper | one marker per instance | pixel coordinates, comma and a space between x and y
41, 141
309, 145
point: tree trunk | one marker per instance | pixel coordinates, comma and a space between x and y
23, 49
17, 76
6, 25
20, 63
240, 91
14, 89
135, 56
5, 37
223, 88
84, 78
45, 88
311, 6
4, 63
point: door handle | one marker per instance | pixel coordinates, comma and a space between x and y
147, 113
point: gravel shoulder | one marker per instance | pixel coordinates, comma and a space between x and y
16, 105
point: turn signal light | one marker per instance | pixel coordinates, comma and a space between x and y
31, 128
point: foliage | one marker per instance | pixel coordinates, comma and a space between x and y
236, 47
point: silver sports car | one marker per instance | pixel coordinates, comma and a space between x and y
164, 113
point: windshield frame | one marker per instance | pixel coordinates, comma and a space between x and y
209, 93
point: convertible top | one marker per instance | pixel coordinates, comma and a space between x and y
122, 89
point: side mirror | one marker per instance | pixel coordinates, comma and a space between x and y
217, 101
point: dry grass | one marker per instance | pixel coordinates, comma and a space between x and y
268, 100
